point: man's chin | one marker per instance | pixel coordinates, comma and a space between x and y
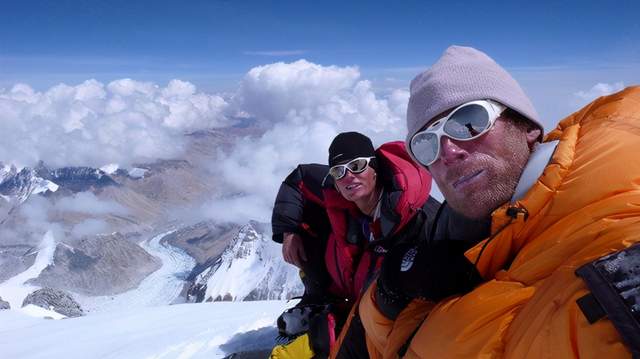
470, 207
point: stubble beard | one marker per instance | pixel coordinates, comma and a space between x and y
503, 174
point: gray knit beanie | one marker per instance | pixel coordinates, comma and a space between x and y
461, 75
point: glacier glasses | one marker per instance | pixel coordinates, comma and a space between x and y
465, 123
356, 165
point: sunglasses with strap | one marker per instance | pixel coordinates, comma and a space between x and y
356, 165
465, 123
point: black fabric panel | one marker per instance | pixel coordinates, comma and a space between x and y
291, 209
614, 281
354, 231
430, 209
316, 277
389, 303
430, 270
591, 308
288, 207
453, 226
389, 219
313, 176
354, 345
319, 336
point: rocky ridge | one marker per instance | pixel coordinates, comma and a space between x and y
100, 265
56, 300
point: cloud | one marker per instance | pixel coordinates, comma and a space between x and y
92, 124
240, 209
88, 203
89, 227
40, 214
302, 106
276, 53
30, 223
599, 89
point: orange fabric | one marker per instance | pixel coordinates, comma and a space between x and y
385, 337
586, 204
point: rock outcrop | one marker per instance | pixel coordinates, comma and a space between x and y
4, 305
54, 299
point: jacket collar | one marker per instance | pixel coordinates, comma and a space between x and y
510, 219
533, 169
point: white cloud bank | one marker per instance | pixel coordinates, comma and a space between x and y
303, 106
38, 215
88, 203
300, 105
93, 124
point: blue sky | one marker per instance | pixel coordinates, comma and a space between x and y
212, 44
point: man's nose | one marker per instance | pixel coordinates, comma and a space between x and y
450, 151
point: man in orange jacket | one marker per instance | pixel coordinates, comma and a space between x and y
560, 267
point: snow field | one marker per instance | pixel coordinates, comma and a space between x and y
184, 331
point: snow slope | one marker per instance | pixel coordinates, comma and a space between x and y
159, 288
14, 290
185, 331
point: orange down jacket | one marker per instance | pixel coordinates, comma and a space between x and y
586, 204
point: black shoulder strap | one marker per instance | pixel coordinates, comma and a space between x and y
614, 282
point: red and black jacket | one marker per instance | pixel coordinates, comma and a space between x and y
350, 258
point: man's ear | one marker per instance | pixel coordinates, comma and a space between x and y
534, 135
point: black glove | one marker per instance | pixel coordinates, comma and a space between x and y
297, 320
315, 320
429, 270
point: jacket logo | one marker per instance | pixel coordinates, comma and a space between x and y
407, 259
380, 250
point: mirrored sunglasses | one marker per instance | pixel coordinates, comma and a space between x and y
465, 123
356, 165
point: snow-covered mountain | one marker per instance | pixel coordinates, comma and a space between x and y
251, 268
19, 185
76, 179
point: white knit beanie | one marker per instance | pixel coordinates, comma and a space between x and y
461, 75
